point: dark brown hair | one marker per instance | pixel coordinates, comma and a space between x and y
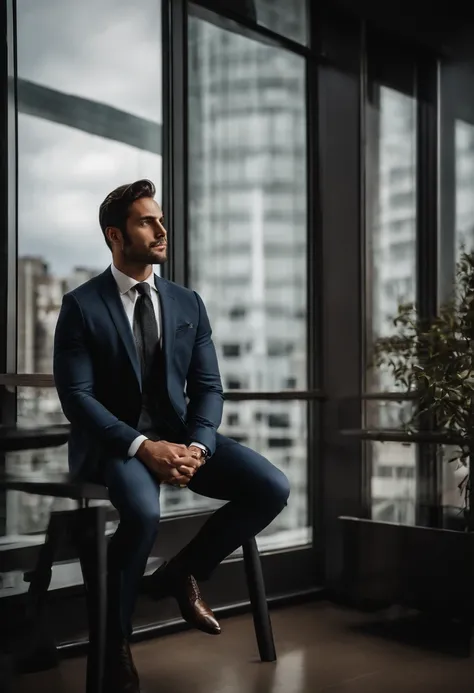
115, 208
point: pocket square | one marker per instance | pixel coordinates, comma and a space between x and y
185, 326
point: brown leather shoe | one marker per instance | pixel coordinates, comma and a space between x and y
121, 675
186, 591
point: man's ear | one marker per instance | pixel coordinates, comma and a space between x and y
114, 236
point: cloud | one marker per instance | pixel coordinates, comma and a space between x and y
63, 178
109, 50
106, 51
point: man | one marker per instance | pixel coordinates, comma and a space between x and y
137, 375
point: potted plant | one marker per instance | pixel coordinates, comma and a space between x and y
435, 359
428, 568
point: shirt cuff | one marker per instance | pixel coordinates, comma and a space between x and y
133, 449
202, 447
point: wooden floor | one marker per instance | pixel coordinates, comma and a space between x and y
321, 648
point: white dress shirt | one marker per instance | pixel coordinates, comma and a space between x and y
128, 294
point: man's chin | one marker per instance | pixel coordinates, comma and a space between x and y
158, 258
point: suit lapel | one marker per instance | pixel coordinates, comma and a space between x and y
168, 318
112, 300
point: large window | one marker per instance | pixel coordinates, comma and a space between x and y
89, 101
247, 236
391, 279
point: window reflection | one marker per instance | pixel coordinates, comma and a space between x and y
391, 279
289, 19
247, 225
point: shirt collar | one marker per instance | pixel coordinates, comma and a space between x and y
125, 283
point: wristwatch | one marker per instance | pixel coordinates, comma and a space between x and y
205, 454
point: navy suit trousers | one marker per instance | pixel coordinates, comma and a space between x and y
256, 492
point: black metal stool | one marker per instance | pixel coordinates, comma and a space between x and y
86, 525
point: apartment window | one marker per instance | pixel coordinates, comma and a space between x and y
279, 442
279, 420
405, 472
234, 384
385, 472
237, 313
280, 349
231, 351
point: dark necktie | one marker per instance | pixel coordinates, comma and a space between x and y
145, 329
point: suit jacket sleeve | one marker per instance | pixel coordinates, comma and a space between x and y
74, 379
204, 387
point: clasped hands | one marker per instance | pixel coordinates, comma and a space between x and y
171, 463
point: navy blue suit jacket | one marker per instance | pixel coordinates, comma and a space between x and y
98, 378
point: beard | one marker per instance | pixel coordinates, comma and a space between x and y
151, 256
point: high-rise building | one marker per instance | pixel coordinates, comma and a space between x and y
247, 182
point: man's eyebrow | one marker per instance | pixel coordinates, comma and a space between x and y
146, 217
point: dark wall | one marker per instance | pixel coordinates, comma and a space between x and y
447, 28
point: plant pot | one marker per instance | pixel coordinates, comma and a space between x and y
428, 569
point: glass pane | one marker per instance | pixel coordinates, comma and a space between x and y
278, 431
85, 125
289, 19
247, 219
247, 207
391, 276
454, 473
464, 192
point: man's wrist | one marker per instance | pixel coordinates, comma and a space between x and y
201, 447
136, 445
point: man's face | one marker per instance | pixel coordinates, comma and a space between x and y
146, 238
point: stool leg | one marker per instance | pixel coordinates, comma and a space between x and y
258, 600
6, 676
39, 651
91, 541
40, 578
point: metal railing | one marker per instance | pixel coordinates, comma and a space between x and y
46, 380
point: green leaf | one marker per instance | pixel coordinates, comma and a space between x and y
436, 357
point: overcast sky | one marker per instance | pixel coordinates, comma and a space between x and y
106, 51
